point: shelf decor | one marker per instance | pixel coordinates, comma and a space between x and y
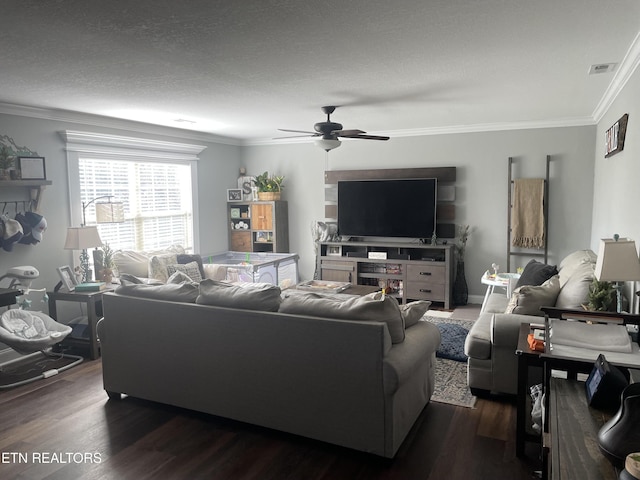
614, 137
32, 168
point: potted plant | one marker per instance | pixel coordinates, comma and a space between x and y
6, 162
107, 263
269, 187
602, 296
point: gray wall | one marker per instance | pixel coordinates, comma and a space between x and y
616, 193
481, 187
217, 170
590, 197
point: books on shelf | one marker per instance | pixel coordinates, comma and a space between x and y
90, 287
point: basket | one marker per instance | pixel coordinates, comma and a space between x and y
269, 196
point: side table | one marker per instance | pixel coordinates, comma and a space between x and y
93, 301
526, 358
501, 280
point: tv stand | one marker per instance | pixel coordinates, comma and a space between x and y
409, 271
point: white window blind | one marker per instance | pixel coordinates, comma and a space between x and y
157, 199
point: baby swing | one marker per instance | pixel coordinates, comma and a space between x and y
32, 334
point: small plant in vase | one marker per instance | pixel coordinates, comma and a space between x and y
460, 288
269, 187
602, 297
6, 162
107, 263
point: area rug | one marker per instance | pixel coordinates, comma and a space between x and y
451, 375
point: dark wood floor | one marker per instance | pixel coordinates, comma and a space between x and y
67, 429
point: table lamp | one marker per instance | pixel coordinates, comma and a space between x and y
617, 262
82, 238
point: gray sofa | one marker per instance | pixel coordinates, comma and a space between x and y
338, 381
493, 339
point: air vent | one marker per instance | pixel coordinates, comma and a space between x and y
602, 68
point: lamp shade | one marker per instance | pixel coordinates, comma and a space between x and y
80, 238
110, 212
327, 144
617, 261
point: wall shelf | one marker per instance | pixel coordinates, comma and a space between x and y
35, 188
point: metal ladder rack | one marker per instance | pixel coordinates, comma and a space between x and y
521, 252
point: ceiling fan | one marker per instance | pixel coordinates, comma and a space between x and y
330, 131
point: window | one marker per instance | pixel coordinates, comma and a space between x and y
157, 202
155, 180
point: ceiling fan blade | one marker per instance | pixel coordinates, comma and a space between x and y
297, 136
348, 133
298, 131
370, 137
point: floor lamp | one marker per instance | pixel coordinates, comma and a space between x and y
84, 237
617, 262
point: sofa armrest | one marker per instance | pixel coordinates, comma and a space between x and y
421, 342
505, 328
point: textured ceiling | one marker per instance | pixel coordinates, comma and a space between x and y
244, 68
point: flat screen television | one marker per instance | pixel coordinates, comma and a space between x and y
387, 208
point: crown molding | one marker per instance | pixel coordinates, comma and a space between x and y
452, 129
624, 72
115, 123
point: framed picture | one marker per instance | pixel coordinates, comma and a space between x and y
235, 212
32, 168
67, 277
234, 195
614, 137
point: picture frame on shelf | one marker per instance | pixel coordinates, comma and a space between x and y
32, 168
67, 277
234, 212
234, 195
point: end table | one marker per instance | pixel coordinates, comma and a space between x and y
94, 302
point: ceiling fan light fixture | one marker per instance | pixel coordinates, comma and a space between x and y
327, 143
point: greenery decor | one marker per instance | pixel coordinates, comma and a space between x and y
602, 297
6, 158
107, 262
461, 241
267, 183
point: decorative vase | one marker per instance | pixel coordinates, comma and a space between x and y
460, 289
620, 436
269, 196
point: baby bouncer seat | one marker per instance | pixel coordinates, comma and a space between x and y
32, 334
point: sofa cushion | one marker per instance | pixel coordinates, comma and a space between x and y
574, 261
478, 341
414, 311
191, 270
133, 263
374, 307
528, 299
158, 265
249, 296
173, 292
536, 273
575, 291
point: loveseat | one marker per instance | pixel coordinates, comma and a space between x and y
493, 339
351, 382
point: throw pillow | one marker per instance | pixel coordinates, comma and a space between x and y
180, 277
374, 307
173, 292
249, 296
528, 299
184, 259
536, 273
158, 266
414, 311
190, 269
